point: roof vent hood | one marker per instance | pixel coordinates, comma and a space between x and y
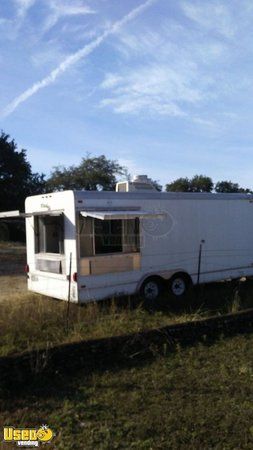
140, 183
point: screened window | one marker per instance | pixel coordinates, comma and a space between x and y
108, 236
49, 234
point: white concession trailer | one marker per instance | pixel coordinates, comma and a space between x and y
89, 245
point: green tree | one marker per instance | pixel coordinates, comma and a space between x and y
16, 178
229, 187
157, 185
199, 183
202, 183
93, 173
179, 185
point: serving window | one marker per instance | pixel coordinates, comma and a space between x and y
100, 237
49, 234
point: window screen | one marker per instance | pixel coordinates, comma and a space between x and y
108, 236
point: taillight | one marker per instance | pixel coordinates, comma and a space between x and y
75, 276
26, 268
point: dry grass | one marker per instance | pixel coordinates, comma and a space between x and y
32, 321
12, 287
195, 398
29, 321
198, 398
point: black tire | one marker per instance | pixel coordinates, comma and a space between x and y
179, 285
151, 288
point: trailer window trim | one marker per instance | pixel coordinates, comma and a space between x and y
87, 241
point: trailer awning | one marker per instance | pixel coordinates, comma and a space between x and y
10, 214
115, 215
52, 212
16, 213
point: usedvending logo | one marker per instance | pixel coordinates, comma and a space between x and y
28, 437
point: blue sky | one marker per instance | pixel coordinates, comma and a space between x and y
163, 86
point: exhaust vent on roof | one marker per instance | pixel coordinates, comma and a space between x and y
139, 183
122, 186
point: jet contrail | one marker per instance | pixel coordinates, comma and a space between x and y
74, 58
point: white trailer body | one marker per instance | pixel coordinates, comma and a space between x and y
117, 241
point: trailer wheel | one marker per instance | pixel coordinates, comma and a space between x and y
151, 288
179, 284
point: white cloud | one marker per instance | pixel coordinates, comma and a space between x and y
171, 77
205, 122
13, 24
75, 57
23, 6
154, 88
48, 55
111, 80
213, 15
61, 9
180, 69
171, 42
4, 21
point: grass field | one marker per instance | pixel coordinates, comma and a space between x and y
199, 397
195, 398
31, 321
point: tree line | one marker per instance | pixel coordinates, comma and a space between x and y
17, 181
202, 183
